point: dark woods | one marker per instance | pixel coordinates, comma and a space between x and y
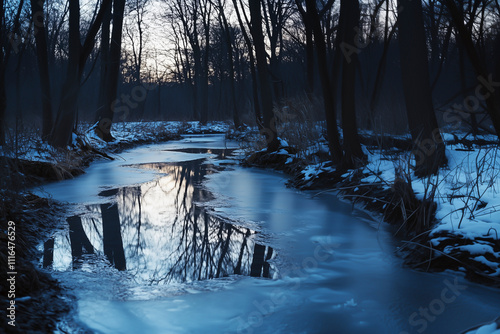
382, 65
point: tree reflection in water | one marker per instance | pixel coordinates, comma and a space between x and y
160, 233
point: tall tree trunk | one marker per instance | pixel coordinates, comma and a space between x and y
79, 241
106, 25
309, 63
492, 95
429, 149
257, 259
106, 118
198, 78
4, 60
353, 154
262, 70
496, 73
229, 46
38, 13
255, 89
77, 57
204, 87
309, 51
112, 237
63, 127
328, 98
255, 92
204, 91
48, 252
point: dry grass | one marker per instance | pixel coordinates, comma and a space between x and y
297, 123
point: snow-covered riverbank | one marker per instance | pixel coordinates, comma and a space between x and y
464, 235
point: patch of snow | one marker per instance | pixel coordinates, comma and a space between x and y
486, 329
283, 142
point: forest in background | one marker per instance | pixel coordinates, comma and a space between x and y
380, 65
392, 104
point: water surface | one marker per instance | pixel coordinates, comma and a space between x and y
196, 244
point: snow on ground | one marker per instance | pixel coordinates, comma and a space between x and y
29, 146
127, 132
466, 193
468, 202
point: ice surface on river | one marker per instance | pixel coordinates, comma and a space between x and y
337, 274
120, 172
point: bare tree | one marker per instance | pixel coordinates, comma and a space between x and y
38, 13
276, 13
77, 57
111, 236
492, 99
228, 39
349, 18
429, 149
104, 48
103, 129
7, 41
253, 73
262, 70
195, 16
328, 98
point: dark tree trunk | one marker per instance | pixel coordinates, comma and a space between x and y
463, 84
38, 13
4, 60
255, 88
309, 51
229, 46
237, 268
267, 267
79, 240
492, 98
48, 253
269, 129
63, 127
106, 118
112, 237
328, 98
257, 259
255, 92
106, 24
309, 63
204, 86
77, 57
496, 73
429, 149
223, 253
353, 154
198, 78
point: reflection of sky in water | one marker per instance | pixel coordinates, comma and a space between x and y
161, 235
122, 172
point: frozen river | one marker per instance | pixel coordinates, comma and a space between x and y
177, 238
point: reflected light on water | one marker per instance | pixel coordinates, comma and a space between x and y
159, 232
